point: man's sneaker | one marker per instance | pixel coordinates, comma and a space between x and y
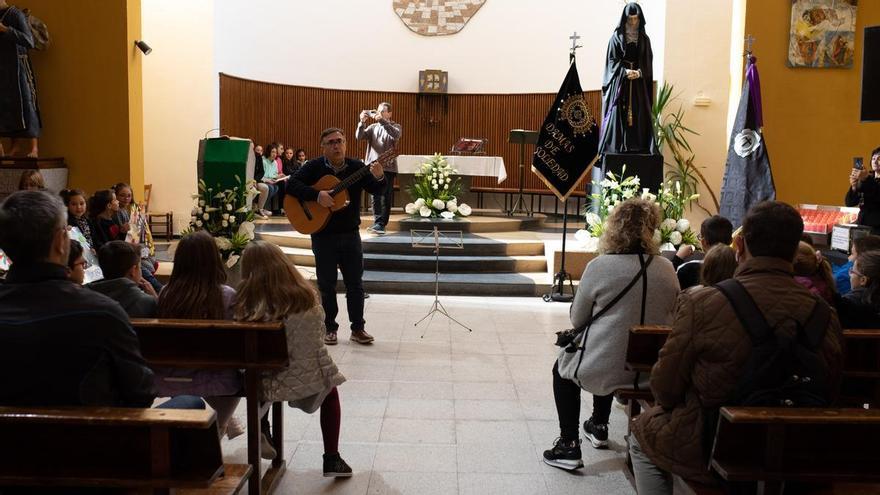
564, 455
597, 434
330, 338
335, 467
361, 337
378, 229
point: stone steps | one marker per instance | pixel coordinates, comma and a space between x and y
426, 262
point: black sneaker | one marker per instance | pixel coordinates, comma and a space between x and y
335, 467
564, 455
597, 434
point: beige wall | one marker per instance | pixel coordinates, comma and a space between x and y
179, 102
89, 89
698, 63
811, 116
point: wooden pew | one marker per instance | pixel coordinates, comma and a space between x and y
861, 366
208, 344
128, 448
775, 446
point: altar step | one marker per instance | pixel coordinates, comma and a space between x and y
506, 244
426, 262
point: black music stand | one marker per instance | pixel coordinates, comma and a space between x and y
521, 137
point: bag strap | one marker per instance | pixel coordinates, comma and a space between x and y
644, 286
626, 289
746, 310
752, 319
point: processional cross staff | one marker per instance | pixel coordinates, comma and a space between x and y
574, 46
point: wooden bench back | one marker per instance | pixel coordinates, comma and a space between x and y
861, 368
109, 447
212, 343
802, 444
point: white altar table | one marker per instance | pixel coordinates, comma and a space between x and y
467, 165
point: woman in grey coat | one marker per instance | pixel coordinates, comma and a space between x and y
627, 285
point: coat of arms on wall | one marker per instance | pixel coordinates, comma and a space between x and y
436, 17
822, 33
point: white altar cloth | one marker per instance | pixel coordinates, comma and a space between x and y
483, 166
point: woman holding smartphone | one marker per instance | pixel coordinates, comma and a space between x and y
864, 192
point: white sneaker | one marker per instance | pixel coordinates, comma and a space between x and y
266, 213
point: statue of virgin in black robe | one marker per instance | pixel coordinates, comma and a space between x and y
19, 111
627, 125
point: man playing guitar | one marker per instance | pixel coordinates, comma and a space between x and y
338, 244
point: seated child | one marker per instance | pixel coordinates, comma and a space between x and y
121, 264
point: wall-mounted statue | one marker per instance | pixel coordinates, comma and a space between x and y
19, 110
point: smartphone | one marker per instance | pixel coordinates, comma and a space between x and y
857, 163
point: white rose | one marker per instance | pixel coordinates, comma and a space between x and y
198, 223
464, 209
683, 225
438, 204
668, 224
440, 180
447, 214
224, 223
452, 202
592, 218
226, 216
201, 202
228, 207
232, 220
425, 211
420, 202
451, 207
411, 209
657, 237
675, 237
445, 187
205, 216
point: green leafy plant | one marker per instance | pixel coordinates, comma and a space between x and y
670, 131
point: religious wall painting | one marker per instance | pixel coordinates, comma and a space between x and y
822, 33
436, 17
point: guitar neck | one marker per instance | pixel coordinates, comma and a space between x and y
351, 179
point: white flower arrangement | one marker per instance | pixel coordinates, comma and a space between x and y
227, 216
674, 230
435, 191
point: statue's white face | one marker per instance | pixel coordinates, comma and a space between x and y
632, 22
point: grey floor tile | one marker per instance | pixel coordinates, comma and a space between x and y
394, 457
423, 373
353, 429
365, 388
484, 390
492, 432
501, 484
421, 390
488, 409
389, 483
489, 458
420, 409
405, 430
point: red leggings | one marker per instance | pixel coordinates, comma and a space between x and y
331, 417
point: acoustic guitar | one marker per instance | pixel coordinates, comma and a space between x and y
309, 217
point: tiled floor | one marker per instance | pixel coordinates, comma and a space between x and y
453, 412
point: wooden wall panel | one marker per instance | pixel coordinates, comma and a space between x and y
296, 115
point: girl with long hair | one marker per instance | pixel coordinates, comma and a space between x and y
814, 272
860, 308
197, 290
272, 289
